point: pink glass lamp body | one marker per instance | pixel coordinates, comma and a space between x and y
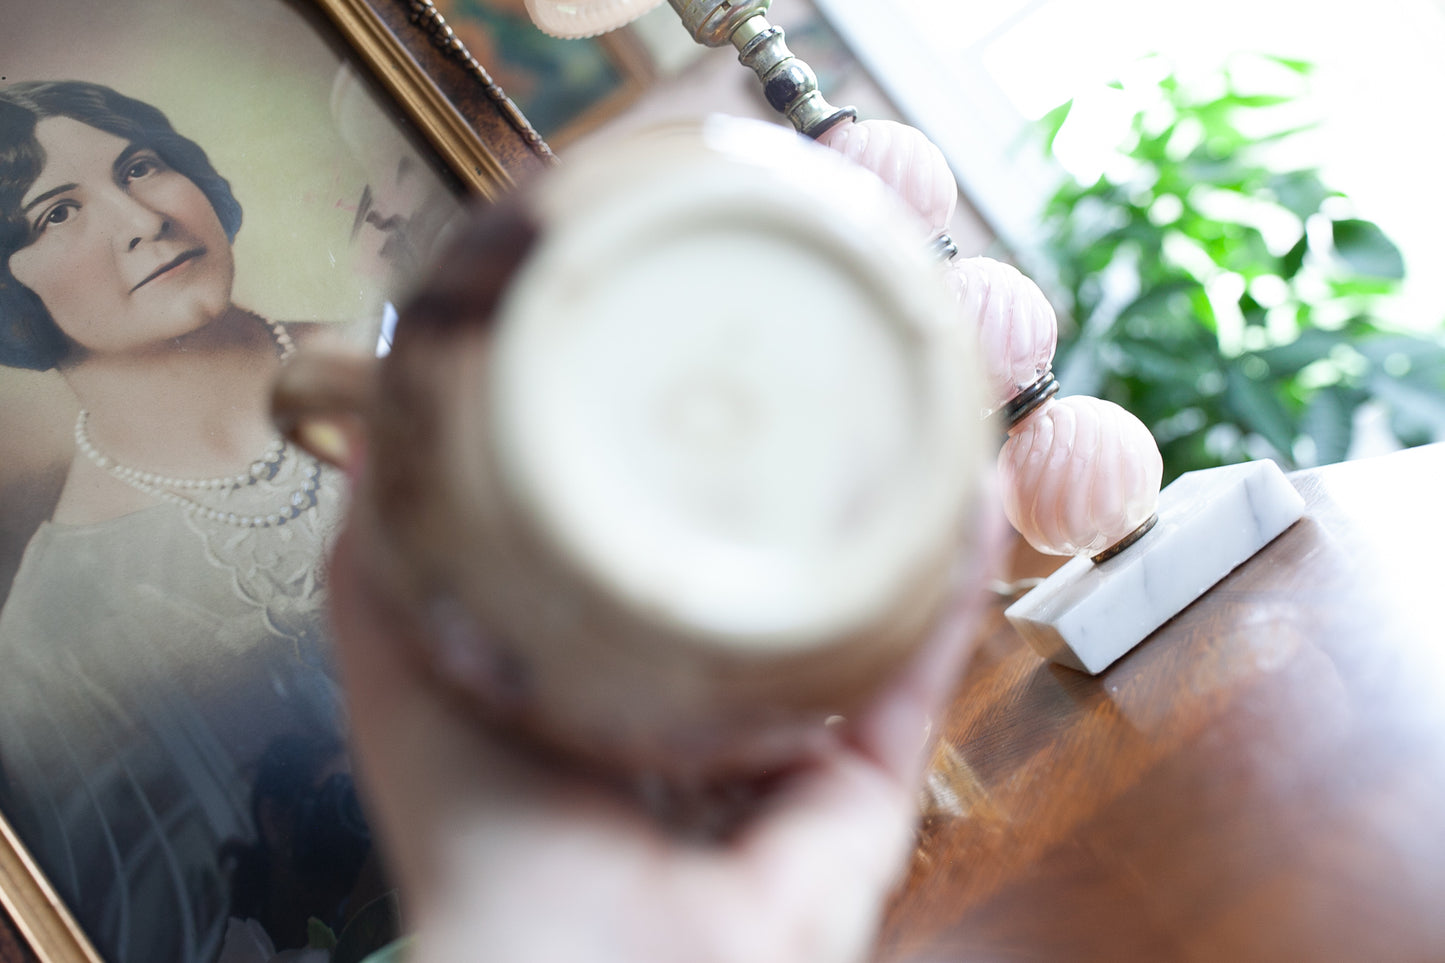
1079, 475
1017, 330
907, 161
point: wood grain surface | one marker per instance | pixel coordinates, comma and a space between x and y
1262, 779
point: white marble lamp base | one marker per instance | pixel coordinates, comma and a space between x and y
1086, 615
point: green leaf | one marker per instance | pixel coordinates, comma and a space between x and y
1299, 192
1203, 309
1156, 297
1329, 421
1080, 369
1254, 312
1425, 355
1051, 122
1286, 133
1361, 327
1259, 410
1294, 259
1361, 287
1161, 366
1187, 453
318, 935
1417, 412
1246, 252
1301, 67
1312, 345
1251, 101
371, 933
1366, 249
1205, 165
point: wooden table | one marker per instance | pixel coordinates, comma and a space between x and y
1262, 779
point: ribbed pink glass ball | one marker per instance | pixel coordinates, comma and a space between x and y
1078, 475
906, 160
1017, 329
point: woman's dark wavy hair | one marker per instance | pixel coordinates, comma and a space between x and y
29, 337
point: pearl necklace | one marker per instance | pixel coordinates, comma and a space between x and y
263, 469
285, 347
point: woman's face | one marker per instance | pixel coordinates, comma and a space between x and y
124, 251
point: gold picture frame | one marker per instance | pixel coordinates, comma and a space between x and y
432, 91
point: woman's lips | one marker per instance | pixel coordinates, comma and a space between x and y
169, 266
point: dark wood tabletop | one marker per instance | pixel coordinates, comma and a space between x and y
1262, 779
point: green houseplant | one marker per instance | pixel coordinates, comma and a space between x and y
1231, 302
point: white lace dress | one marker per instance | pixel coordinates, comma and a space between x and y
147, 664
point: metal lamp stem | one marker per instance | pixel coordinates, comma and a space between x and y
789, 84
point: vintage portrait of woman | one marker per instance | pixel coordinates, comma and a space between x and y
172, 743
187, 540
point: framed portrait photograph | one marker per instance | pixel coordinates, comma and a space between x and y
192, 191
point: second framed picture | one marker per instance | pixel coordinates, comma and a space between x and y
565, 87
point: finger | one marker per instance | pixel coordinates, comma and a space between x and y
823, 862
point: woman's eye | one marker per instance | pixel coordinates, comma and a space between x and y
58, 214
140, 167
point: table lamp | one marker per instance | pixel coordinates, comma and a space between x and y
1079, 476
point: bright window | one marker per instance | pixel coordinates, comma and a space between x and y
975, 75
